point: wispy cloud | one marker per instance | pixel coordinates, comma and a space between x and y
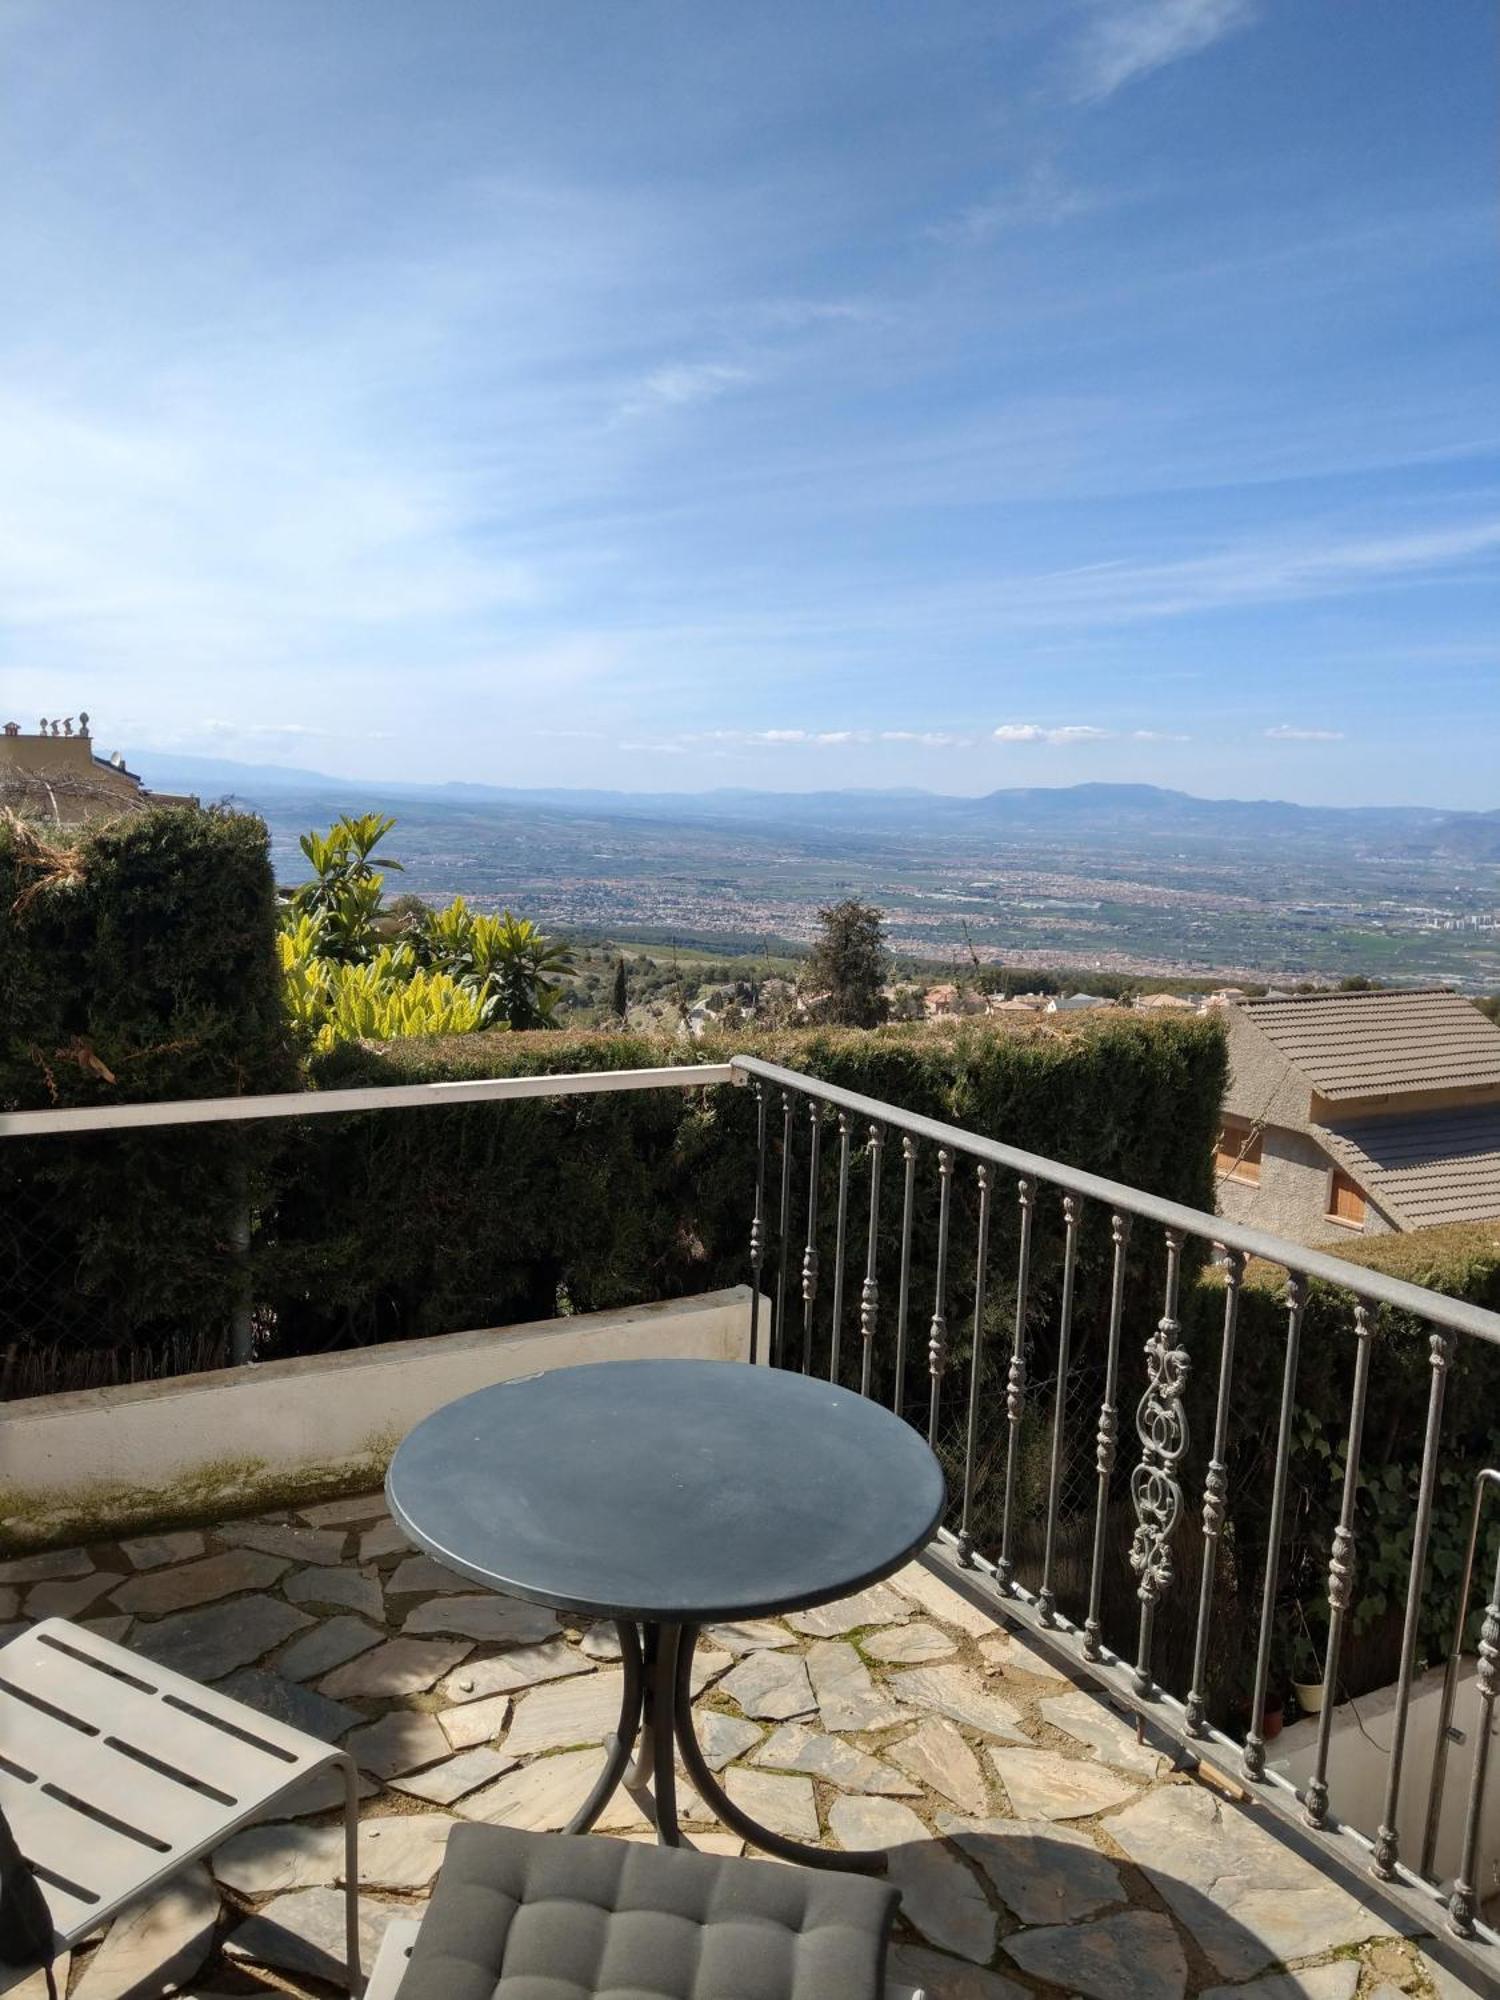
1287, 732
1125, 42
1040, 199
684, 382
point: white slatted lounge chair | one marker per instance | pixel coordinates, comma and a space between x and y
116, 1773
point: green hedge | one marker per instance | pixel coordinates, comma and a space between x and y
412, 1223
1461, 1262
137, 962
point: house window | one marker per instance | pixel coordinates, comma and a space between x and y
1346, 1201
1238, 1157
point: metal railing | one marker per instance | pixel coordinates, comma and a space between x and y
789, 1250
902, 1213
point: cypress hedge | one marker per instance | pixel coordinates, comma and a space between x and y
137, 962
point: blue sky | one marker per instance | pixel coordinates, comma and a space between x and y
673, 396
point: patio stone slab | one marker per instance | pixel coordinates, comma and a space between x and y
441, 1784
1134, 1956
1041, 1784
67, 1596
751, 1635
795, 1748
400, 1666
722, 1738
540, 1797
956, 1693
939, 1758
384, 1539
422, 1575
278, 1538
303, 1932
396, 1851
1088, 1719
1448, 1985
404, 1740
773, 1686
1009, 1652
156, 1944
285, 1701
327, 1645
1042, 1873
1249, 1900
319, 1794
941, 1601
352, 1589
939, 1895
525, 1667
1318, 1982
909, 1645
335, 1513
35, 1987
623, 1815
476, 1721
879, 1605
111, 1626
47, 1567
847, 1697
504, 1620
156, 1592
784, 1804
206, 1645
151, 1551
708, 1665
911, 1969
601, 1642
566, 1714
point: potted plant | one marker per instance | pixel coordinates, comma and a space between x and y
1307, 1673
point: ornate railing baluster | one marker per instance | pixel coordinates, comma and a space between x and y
1461, 1903
757, 1221
903, 1302
838, 1251
1015, 1390
1387, 1839
1107, 1434
869, 1291
937, 1332
810, 1248
1341, 1569
1161, 1426
784, 1231
1046, 1597
1215, 1490
1255, 1740
976, 1370
1487, 1480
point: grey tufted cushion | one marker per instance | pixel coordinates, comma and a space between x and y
554, 1916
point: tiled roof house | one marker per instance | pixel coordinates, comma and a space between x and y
1360, 1112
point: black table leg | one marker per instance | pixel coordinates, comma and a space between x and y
618, 1747
869, 1861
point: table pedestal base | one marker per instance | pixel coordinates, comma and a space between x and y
656, 1717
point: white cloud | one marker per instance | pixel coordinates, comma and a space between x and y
1065, 733
1042, 199
1128, 41
1286, 732
682, 383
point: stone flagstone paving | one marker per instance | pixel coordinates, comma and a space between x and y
1040, 1849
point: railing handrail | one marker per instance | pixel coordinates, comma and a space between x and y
1373, 1286
378, 1097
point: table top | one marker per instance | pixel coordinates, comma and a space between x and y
667, 1491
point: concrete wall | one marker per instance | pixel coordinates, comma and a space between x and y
1357, 1762
1292, 1198
1263, 1087
175, 1449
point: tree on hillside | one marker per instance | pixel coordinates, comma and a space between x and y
620, 1004
847, 966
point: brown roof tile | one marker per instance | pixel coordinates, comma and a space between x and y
1351, 1045
1431, 1166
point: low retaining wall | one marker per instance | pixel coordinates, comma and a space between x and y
99, 1461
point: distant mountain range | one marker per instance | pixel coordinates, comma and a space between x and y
1086, 813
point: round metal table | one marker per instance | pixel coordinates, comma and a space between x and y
665, 1496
